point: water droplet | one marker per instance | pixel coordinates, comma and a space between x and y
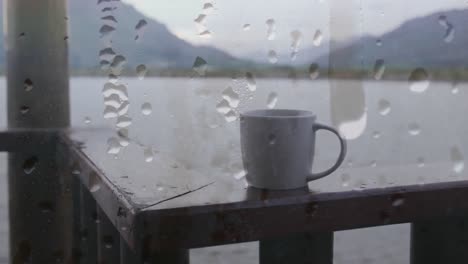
414, 129
421, 162
124, 140
21, 35
345, 179
148, 154
251, 83
46, 207
117, 64
28, 85
110, 112
419, 80
379, 43
449, 29
457, 159
240, 175
109, 18
113, 146
200, 66
397, 200
107, 54
30, 164
379, 69
314, 71
223, 107
146, 108
141, 71
272, 100
455, 89
246, 27
272, 139
231, 97
272, 57
373, 164
384, 107
106, 30
296, 37
24, 109
208, 8
230, 116
123, 109
123, 121
318, 37
108, 242
140, 29
94, 182
271, 31
205, 34
376, 135
87, 120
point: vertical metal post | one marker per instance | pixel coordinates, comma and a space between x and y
440, 241
41, 210
316, 248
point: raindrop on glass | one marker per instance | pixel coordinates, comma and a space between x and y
231, 97
419, 80
123, 121
457, 159
376, 135
106, 30
421, 162
272, 100
449, 34
94, 182
148, 154
141, 71
379, 69
87, 120
28, 85
246, 27
146, 108
272, 139
318, 37
110, 112
379, 43
345, 179
230, 116
205, 34
251, 82
30, 164
140, 28
384, 107
240, 175
113, 146
200, 66
414, 129
24, 109
296, 37
272, 57
271, 29
314, 71
208, 8
223, 107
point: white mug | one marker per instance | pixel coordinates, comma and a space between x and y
278, 148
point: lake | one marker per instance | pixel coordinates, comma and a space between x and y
388, 123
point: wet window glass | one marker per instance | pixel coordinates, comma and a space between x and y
154, 131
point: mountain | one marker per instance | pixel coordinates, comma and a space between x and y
436, 41
156, 47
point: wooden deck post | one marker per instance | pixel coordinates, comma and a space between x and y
41, 209
440, 241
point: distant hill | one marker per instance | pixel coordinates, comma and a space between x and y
436, 41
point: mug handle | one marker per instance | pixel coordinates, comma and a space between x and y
341, 157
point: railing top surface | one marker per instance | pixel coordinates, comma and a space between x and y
172, 200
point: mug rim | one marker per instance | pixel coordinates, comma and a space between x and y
278, 113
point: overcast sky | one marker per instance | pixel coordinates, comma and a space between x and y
227, 20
